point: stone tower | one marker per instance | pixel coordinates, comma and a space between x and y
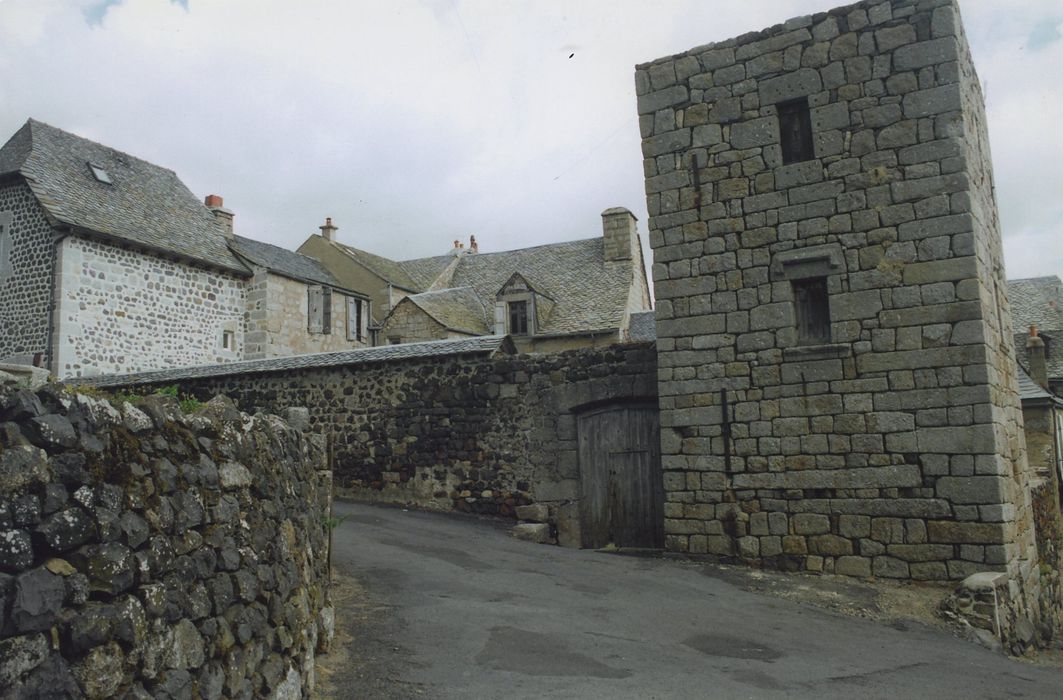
837, 376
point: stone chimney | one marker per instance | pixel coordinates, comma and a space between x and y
618, 227
473, 247
328, 231
217, 206
1035, 355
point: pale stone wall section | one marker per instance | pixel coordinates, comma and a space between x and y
278, 323
120, 311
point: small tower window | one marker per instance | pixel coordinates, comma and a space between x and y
812, 311
518, 317
228, 340
795, 131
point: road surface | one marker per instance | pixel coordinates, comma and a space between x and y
455, 608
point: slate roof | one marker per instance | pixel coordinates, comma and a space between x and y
1029, 390
589, 292
283, 261
458, 309
144, 205
1038, 301
642, 327
481, 345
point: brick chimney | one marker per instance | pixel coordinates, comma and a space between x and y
1035, 355
621, 236
217, 207
328, 231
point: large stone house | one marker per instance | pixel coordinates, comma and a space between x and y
550, 297
110, 264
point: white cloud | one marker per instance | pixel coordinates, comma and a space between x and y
413, 123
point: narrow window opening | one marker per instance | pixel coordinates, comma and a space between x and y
518, 317
795, 131
812, 311
228, 340
394, 340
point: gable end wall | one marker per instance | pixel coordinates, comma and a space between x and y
25, 293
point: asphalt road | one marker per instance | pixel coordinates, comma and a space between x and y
455, 608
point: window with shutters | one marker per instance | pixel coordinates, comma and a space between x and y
354, 319
319, 310
795, 131
518, 318
812, 310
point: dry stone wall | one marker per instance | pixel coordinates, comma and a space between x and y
149, 553
472, 433
892, 446
27, 257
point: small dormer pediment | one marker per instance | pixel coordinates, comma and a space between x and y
516, 284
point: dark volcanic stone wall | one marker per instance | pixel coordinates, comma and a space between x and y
149, 553
471, 433
26, 274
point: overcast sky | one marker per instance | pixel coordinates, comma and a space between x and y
415, 123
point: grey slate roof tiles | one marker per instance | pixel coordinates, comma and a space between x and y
1031, 390
589, 292
459, 309
481, 345
144, 204
642, 327
283, 261
1038, 301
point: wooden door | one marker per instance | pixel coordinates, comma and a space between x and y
620, 470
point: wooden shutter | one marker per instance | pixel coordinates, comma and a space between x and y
314, 307
326, 310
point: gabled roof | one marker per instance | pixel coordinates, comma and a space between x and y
283, 262
590, 293
143, 205
483, 345
457, 309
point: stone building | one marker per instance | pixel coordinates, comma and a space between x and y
550, 297
837, 377
109, 263
1038, 301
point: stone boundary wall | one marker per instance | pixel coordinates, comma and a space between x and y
145, 552
474, 433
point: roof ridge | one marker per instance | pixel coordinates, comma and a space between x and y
512, 250
36, 122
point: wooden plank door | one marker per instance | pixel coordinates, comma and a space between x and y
620, 471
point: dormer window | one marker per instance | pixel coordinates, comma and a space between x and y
100, 174
518, 317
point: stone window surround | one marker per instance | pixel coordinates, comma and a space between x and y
826, 261
502, 302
